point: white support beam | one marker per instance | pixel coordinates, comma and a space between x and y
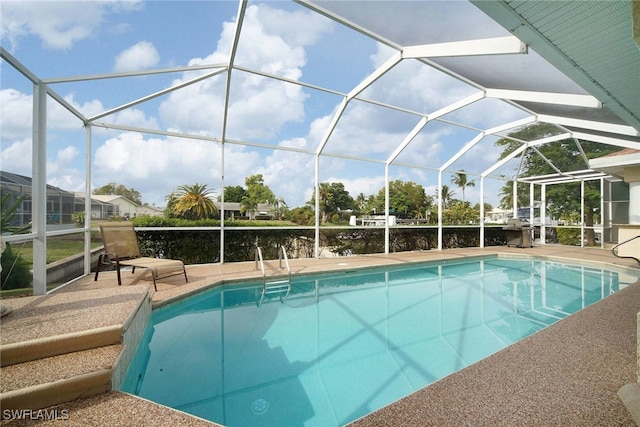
514, 198
482, 213
500, 163
577, 175
332, 125
371, 78
440, 234
390, 63
87, 199
456, 105
511, 125
624, 143
587, 101
39, 189
126, 74
549, 162
493, 46
387, 206
590, 124
417, 128
462, 151
155, 95
549, 139
567, 178
543, 214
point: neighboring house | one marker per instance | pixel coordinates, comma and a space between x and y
60, 203
232, 210
498, 216
125, 207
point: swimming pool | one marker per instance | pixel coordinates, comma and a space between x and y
347, 343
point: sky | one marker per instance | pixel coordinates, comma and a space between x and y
272, 127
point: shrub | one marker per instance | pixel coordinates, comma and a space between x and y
15, 270
78, 218
568, 236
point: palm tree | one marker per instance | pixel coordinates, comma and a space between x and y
361, 202
447, 195
248, 204
325, 194
194, 202
460, 180
279, 207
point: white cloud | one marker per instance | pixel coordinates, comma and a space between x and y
365, 185
156, 166
135, 117
259, 107
61, 173
140, 56
59, 24
16, 111
16, 157
290, 175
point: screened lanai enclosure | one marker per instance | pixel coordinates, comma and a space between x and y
513, 98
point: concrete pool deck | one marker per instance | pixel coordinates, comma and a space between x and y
567, 374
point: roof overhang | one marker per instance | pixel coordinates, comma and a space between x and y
616, 164
609, 68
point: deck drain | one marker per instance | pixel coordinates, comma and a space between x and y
259, 406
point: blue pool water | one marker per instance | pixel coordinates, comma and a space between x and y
345, 344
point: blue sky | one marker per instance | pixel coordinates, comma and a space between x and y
62, 39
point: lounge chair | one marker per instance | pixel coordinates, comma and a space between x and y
121, 249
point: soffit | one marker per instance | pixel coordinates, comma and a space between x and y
590, 41
574, 47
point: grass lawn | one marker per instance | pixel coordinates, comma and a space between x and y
58, 247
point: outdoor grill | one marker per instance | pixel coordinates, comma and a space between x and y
518, 233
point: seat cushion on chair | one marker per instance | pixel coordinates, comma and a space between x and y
158, 266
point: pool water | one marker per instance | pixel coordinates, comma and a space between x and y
345, 344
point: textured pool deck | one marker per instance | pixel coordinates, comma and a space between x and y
567, 374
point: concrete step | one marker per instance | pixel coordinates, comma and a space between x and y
38, 384
25, 351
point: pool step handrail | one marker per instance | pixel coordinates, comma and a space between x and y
280, 286
613, 249
260, 261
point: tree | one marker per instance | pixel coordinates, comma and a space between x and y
333, 199
257, 192
233, 194
460, 180
249, 206
118, 189
194, 202
561, 199
506, 201
460, 212
279, 208
302, 215
405, 199
171, 199
360, 203
447, 196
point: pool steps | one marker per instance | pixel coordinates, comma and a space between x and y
280, 286
61, 368
89, 374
